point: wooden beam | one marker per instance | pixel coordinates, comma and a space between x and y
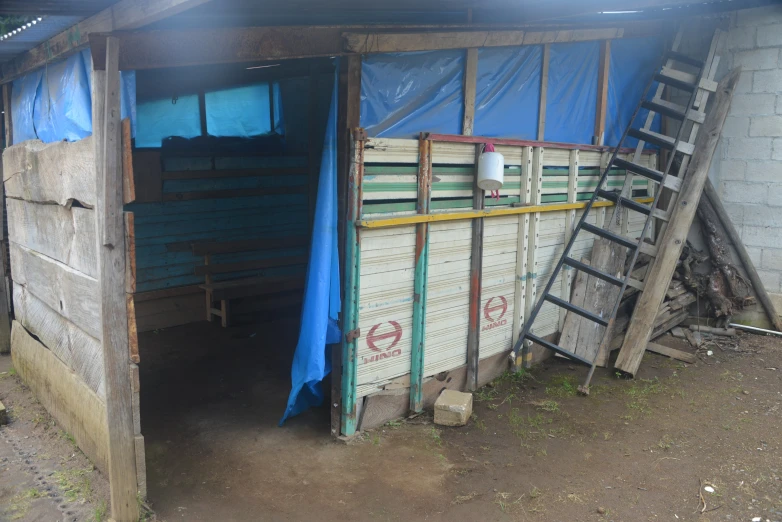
9, 124
5, 316
476, 282
125, 14
113, 304
190, 47
642, 322
543, 92
470, 77
602, 92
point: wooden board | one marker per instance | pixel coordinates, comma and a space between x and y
78, 350
168, 310
128, 182
65, 396
64, 234
386, 406
56, 172
147, 176
71, 293
672, 353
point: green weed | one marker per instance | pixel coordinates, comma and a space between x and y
562, 386
75, 483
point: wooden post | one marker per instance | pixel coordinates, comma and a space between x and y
420, 276
520, 291
470, 77
543, 92
602, 92
110, 227
476, 282
5, 319
675, 236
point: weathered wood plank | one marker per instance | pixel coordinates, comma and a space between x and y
543, 92
78, 350
110, 223
59, 172
147, 176
671, 244
602, 92
72, 403
73, 294
672, 353
128, 181
64, 234
470, 74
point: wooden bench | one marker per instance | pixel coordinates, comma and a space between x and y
225, 291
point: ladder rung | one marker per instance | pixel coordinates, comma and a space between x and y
661, 214
576, 310
674, 110
635, 283
652, 174
673, 183
578, 265
667, 77
607, 234
625, 202
683, 58
661, 140
553, 347
649, 250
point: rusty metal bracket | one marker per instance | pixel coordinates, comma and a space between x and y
353, 335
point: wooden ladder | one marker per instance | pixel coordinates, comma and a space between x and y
681, 147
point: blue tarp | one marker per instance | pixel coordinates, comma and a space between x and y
321, 291
243, 111
403, 94
160, 119
572, 92
633, 62
55, 103
507, 92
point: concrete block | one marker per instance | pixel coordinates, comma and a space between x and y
768, 35
745, 81
777, 149
744, 192
775, 194
733, 170
752, 104
771, 259
766, 126
741, 38
763, 171
453, 408
757, 59
767, 81
3, 414
736, 127
735, 213
755, 255
762, 237
770, 280
750, 148
771, 14
761, 215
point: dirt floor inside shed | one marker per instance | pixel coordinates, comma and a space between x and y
633, 450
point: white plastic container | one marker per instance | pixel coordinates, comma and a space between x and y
490, 171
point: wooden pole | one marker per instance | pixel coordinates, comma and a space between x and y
110, 227
470, 77
543, 91
659, 276
602, 92
5, 319
476, 282
749, 267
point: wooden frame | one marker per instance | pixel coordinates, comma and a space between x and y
602, 92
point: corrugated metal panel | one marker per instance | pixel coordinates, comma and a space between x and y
385, 306
500, 243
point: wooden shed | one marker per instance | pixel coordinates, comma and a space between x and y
174, 220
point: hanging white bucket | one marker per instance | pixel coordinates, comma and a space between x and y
490, 171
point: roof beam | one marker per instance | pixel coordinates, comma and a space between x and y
124, 15
188, 47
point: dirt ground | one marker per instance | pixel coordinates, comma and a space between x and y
634, 450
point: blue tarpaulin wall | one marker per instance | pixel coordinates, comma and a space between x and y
571, 99
321, 291
403, 94
633, 61
507, 92
55, 103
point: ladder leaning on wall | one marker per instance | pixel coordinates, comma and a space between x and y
681, 147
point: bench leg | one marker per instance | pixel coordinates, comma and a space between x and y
209, 306
225, 308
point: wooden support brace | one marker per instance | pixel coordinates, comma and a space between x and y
543, 92
602, 92
476, 282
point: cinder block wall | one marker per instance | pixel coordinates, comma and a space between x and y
748, 169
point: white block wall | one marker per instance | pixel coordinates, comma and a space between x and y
748, 169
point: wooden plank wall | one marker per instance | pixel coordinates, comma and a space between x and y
387, 254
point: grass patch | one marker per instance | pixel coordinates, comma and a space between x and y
76, 484
639, 394
562, 386
434, 433
99, 515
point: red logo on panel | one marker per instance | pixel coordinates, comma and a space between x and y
493, 311
384, 341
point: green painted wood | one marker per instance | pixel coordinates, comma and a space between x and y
419, 324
